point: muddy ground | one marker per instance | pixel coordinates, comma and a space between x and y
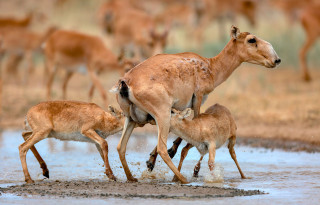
284, 144
104, 189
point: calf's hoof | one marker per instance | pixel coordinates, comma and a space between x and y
196, 174
150, 166
46, 173
112, 177
133, 179
29, 181
171, 152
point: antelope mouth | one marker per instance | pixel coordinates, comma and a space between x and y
270, 64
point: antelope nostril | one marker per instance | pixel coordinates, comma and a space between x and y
278, 61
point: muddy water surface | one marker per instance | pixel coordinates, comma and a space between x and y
287, 177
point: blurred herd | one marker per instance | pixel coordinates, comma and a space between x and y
130, 32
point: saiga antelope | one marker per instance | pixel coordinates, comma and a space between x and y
71, 121
210, 10
207, 132
307, 12
291, 8
72, 51
133, 29
19, 43
151, 89
13, 22
310, 20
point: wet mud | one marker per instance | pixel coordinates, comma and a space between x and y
105, 189
284, 144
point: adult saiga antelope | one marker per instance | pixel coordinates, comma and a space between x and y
133, 29
14, 22
151, 89
73, 50
19, 43
72, 121
310, 20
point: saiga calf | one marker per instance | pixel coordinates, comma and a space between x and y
71, 121
207, 132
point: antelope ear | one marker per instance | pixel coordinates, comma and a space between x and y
121, 55
111, 109
114, 111
152, 33
235, 31
187, 113
175, 111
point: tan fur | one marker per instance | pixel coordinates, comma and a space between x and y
70, 50
19, 43
72, 121
291, 8
178, 13
310, 20
140, 32
307, 12
216, 10
179, 81
14, 22
207, 132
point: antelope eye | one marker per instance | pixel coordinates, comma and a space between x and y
252, 40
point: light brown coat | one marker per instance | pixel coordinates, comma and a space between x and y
70, 121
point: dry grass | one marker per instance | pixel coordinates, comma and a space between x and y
265, 103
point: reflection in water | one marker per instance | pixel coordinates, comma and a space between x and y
1, 138
288, 177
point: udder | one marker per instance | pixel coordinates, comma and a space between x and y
140, 116
203, 148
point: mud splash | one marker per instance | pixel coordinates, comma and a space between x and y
216, 175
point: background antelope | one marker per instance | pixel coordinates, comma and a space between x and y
310, 20
74, 51
15, 22
207, 132
19, 44
133, 30
307, 12
179, 81
69, 121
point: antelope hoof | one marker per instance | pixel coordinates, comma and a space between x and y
46, 173
133, 179
175, 179
113, 178
150, 166
172, 152
196, 173
307, 77
29, 181
184, 181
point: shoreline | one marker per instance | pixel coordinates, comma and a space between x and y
124, 190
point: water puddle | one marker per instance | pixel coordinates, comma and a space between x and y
287, 177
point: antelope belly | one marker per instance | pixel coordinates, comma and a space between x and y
72, 136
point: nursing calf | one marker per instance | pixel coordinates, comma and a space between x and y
207, 132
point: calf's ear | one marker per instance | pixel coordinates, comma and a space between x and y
187, 114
